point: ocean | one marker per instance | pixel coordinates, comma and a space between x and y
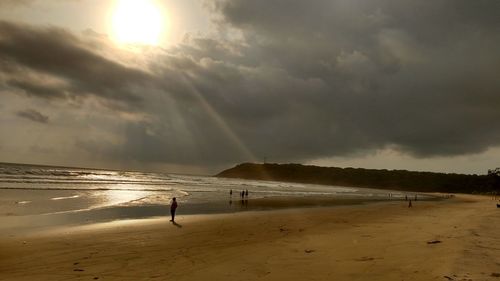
33, 196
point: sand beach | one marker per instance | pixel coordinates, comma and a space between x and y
454, 239
295, 137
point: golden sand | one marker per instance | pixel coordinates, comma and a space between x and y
455, 239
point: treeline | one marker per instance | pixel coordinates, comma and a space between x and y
358, 177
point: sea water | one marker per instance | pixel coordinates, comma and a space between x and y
32, 195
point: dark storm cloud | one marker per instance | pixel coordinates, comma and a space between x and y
58, 54
145, 143
414, 74
291, 81
36, 89
310, 79
33, 115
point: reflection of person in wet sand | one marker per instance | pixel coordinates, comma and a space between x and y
173, 207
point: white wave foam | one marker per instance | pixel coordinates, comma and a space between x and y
66, 197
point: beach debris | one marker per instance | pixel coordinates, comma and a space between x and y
365, 259
23, 202
495, 274
95, 278
448, 277
75, 263
309, 251
434, 242
78, 269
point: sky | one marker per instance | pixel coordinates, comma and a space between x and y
196, 87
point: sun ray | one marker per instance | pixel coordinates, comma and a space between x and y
221, 123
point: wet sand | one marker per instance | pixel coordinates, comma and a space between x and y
455, 239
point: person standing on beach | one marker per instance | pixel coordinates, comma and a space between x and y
173, 207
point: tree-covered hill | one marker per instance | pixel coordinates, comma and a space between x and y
383, 179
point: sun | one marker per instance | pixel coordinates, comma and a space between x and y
137, 22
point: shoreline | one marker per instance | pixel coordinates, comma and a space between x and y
19, 224
383, 241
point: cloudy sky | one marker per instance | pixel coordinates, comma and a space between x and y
197, 86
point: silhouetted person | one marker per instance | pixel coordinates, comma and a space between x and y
409, 204
231, 192
173, 207
415, 197
246, 193
406, 197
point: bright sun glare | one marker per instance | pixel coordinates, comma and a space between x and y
137, 22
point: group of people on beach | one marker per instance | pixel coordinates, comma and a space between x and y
406, 199
243, 193
409, 200
243, 197
173, 204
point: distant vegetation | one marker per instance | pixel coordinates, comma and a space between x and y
382, 179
